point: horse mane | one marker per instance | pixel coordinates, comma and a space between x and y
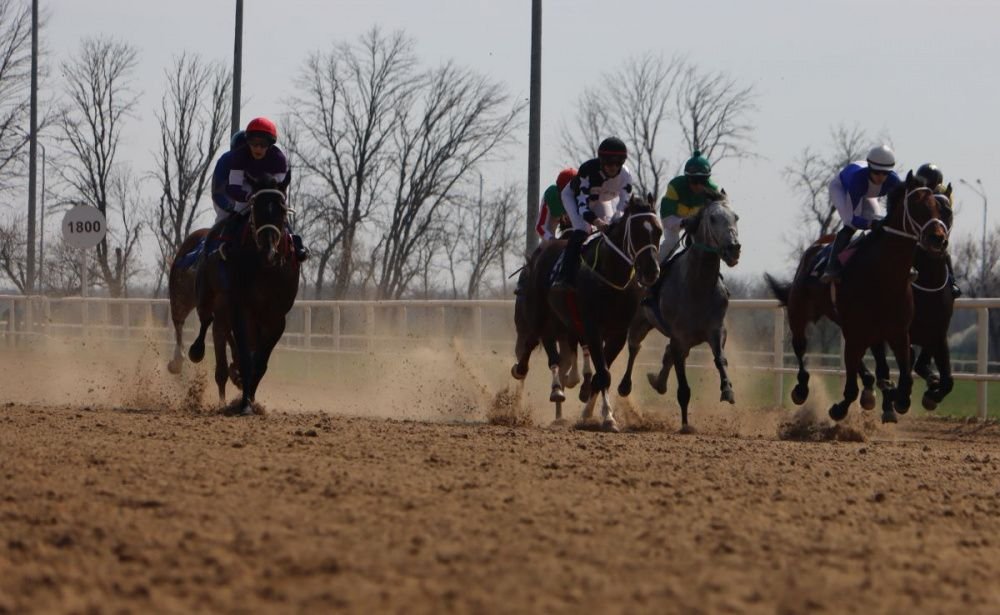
713, 197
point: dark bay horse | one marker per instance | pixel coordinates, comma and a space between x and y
181, 290
874, 302
692, 302
933, 305
617, 264
253, 283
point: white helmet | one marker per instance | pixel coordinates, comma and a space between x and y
881, 158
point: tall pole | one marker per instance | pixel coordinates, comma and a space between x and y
41, 231
534, 125
29, 283
237, 67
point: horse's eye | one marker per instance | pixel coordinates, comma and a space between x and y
736, 218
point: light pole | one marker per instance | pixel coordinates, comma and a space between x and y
41, 230
982, 194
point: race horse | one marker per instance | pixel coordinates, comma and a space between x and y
874, 302
182, 293
252, 281
617, 265
691, 303
933, 305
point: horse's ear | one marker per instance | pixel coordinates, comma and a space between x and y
947, 191
650, 197
722, 191
909, 177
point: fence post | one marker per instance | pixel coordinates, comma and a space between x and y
336, 327
779, 356
307, 326
982, 359
402, 326
47, 313
29, 317
442, 323
12, 323
84, 316
126, 319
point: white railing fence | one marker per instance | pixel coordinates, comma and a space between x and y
395, 326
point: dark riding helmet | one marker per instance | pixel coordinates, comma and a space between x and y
612, 151
697, 166
238, 140
931, 174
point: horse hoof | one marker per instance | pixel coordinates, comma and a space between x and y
654, 381
570, 381
901, 406
867, 399
624, 388
611, 426
928, 402
557, 395
234, 376
800, 394
687, 430
246, 410
517, 374
838, 412
728, 395
889, 417
196, 352
174, 366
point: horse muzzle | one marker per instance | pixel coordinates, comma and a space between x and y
936, 244
731, 254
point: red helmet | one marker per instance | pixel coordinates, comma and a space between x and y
261, 127
565, 177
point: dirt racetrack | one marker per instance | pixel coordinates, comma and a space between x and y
110, 505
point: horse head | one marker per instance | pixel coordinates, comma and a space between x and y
713, 229
916, 212
268, 216
637, 233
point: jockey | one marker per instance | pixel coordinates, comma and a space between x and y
596, 196
935, 181
260, 156
854, 192
552, 214
220, 178
685, 196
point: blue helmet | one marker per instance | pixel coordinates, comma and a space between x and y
239, 139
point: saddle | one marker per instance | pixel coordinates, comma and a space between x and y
558, 265
819, 261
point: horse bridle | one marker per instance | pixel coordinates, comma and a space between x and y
630, 255
910, 224
704, 246
253, 218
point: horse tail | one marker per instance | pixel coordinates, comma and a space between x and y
780, 290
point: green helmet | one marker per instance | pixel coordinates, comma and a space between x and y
698, 165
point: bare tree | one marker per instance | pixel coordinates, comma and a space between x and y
809, 177
460, 120
193, 119
13, 251
485, 230
634, 104
351, 102
652, 95
15, 81
712, 110
966, 255
99, 96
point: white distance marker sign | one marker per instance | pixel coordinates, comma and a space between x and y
84, 227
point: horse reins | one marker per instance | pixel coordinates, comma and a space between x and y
253, 218
629, 258
910, 223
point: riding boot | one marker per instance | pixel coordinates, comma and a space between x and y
834, 267
570, 260
654, 291
956, 292
301, 252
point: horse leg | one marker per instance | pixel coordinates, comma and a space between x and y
922, 368
717, 342
659, 381
569, 374
527, 339
586, 390
267, 339
868, 381
244, 357
900, 345
883, 378
175, 364
800, 392
197, 351
678, 358
601, 380
942, 359
637, 332
556, 394
220, 335
853, 354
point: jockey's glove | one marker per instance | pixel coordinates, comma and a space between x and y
589, 216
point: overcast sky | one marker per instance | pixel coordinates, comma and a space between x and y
924, 72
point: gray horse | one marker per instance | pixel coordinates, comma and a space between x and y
692, 302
